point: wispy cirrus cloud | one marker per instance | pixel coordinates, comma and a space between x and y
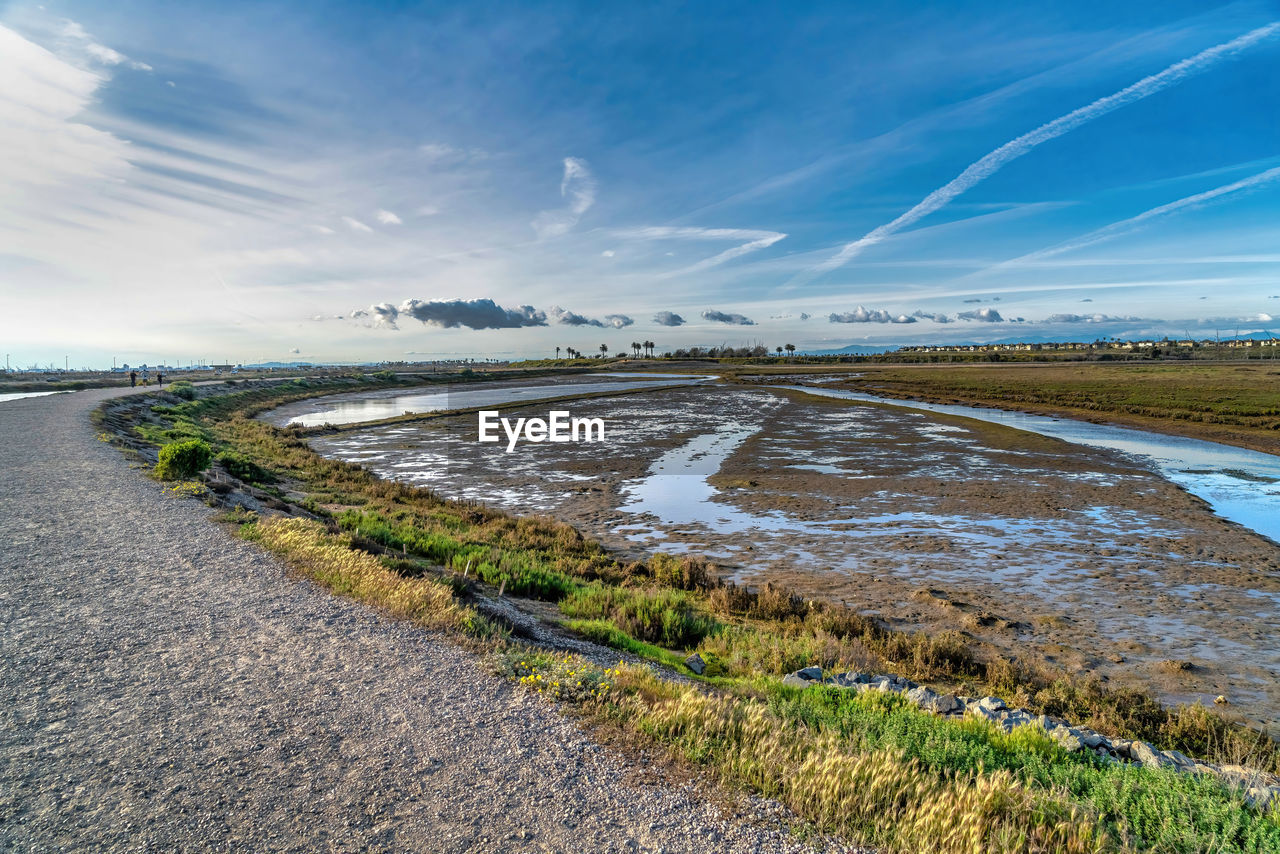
1124, 226
988, 165
356, 225
578, 189
388, 218
752, 241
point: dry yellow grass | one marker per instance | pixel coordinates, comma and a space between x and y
876, 797
329, 560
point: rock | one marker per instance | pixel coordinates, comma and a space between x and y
695, 663
794, 680
980, 711
813, 674
1179, 760
1017, 718
947, 704
1262, 797
1221, 699
1148, 755
1092, 740
848, 680
1122, 747
1067, 738
992, 704
922, 697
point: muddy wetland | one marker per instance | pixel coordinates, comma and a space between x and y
1093, 558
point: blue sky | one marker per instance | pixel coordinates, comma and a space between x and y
326, 181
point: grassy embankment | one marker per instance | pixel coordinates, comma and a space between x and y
1235, 404
867, 767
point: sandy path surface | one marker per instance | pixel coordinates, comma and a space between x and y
166, 687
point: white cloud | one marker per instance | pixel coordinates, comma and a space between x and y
388, 218
987, 166
321, 229
608, 253
427, 210
1124, 226
41, 143
578, 189
753, 240
355, 224
100, 53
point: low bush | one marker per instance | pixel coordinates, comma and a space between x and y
185, 459
241, 467
183, 389
660, 616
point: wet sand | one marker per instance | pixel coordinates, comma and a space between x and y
1052, 552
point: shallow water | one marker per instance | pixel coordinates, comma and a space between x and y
1240, 484
374, 406
21, 395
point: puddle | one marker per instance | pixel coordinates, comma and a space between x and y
25, 394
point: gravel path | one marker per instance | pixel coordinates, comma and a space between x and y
166, 687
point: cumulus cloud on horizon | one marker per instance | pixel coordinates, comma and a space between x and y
1091, 318
727, 317
452, 313
983, 315
864, 315
569, 318
668, 318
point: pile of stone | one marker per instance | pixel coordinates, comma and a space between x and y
1261, 789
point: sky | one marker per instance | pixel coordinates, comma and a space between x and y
348, 182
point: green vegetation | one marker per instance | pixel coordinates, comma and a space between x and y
182, 389
868, 767
183, 459
1238, 404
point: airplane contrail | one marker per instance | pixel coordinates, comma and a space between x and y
994, 161
1115, 229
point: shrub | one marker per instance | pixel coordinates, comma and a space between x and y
666, 617
179, 460
183, 389
241, 467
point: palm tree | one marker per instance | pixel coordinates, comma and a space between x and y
791, 349
604, 350
557, 352
779, 351
649, 345
635, 348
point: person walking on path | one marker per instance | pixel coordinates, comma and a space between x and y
159, 378
133, 379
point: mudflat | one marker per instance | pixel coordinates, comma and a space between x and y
1047, 551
